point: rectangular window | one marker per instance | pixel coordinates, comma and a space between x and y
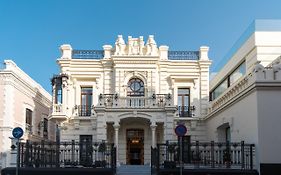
227, 134
45, 128
58, 92
184, 102
28, 119
228, 81
86, 101
220, 89
237, 73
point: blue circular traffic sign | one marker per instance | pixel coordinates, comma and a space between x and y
180, 130
17, 132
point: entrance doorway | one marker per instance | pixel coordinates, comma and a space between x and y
135, 145
86, 150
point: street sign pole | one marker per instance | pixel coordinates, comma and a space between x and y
18, 155
180, 130
181, 165
17, 133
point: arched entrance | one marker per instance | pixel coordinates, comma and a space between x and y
135, 146
134, 141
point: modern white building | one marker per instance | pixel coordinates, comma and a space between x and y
246, 95
23, 103
134, 94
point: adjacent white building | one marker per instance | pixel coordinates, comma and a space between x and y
23, 103
246, 94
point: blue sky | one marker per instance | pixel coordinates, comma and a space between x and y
31, 31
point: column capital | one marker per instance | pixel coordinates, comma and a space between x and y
153, 126
116, 126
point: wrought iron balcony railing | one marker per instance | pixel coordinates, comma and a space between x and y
84, 110
87, 54
99, 54
155, 101
186, 111
183, 55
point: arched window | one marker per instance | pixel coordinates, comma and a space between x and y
135, 87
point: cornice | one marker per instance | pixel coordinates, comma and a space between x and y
135, 61
10, 78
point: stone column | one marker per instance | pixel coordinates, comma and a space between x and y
116, 128
204, 65
153, 128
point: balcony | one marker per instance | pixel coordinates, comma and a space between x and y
155, 101
186, 111
57, 113
83, 110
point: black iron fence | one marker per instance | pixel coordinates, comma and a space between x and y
198, 155
67, 154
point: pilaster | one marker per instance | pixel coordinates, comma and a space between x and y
204, 64
101, 124
169, 123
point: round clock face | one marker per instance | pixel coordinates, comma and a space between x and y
135, 86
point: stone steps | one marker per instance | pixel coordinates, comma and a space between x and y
134, 170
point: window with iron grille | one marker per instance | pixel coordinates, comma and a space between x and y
86, 101
45, 128
58, 91
28, 119
184, 102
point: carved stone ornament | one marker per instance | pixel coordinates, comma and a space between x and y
136, 46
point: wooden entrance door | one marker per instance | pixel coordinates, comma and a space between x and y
135, 145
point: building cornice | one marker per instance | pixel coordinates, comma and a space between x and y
11, 78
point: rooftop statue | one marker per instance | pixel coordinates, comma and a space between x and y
120, 46
151, 46
135, 46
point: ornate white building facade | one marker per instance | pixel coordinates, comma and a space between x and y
132, 94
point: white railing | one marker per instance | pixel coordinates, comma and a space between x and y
134, 102
57, 109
